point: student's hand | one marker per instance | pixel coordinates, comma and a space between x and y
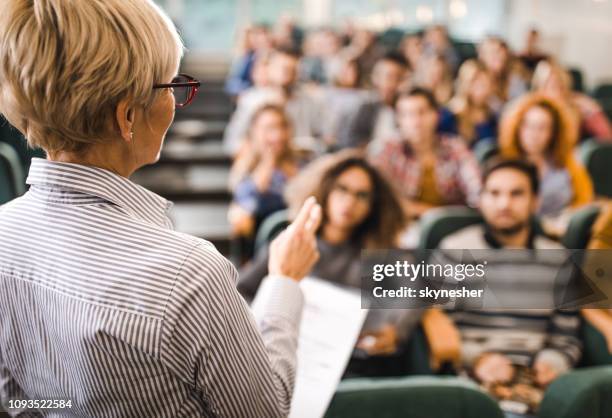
294, 251
382, 341
544, 373
262, 175
494, 368
241, 221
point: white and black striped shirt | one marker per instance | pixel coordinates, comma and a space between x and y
103, 304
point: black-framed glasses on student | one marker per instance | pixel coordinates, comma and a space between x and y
184, 88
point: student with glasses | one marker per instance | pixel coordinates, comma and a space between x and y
360, 211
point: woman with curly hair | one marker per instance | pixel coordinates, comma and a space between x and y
542, 130
360, 211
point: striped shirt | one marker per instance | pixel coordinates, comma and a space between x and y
103, 304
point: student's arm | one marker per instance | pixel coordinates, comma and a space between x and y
563, 347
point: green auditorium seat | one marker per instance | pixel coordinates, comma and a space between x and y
466, 50
595, 350
578, 231
597, 158
11, 136
438, 223
412, 397
577, 79
583, 393
270, 228
485, 149
11, 175
603, 91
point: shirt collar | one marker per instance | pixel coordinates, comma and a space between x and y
93, 181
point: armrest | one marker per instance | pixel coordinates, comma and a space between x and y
580, 393
412, 397
443, 338
602, 321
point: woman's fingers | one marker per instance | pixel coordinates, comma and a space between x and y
314, 220
304, 215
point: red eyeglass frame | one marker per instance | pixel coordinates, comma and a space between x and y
192, 82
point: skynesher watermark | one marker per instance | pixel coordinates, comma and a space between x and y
487, 279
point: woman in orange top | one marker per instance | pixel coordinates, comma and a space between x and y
542, 130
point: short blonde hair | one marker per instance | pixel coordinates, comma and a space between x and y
66, 64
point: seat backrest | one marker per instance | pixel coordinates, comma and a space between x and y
11, 174
577, 79
485, 149
412, 397
440, 222
578, 231
603, 91
11, 136
270, 228
597, 158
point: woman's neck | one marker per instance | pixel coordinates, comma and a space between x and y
335, 235
107, 158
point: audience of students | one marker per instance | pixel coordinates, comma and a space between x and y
469, 112
417, 111
553, 80
427, 168
539, 129
495, 342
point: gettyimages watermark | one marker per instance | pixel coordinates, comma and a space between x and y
487, 279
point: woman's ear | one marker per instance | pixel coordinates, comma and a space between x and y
125, 120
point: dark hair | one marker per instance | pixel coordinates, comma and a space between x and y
396, 58
386, 219
420, 92
523, 166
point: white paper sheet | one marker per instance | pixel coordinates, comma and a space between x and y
331, 323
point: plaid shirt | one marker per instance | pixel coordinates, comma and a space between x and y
457, 173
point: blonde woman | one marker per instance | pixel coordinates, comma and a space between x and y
469, 113
102, 305
260, 172
553, 80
